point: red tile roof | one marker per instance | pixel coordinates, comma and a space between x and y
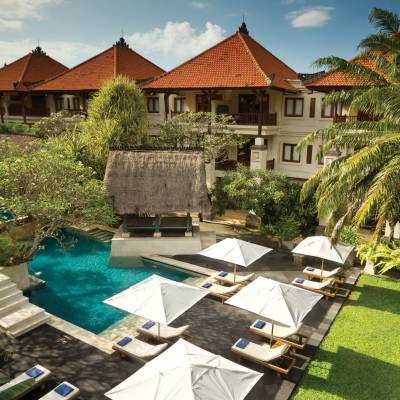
236, 62
89, 75
33, 68
337, 79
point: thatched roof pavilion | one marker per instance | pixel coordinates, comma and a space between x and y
156, 181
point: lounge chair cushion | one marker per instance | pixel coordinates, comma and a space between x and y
259, 324
123, 342
242, 343
64, 389
166, 332
223, 274
262, 352
34, 372
206, 285
299, 280
148, 324
280, 331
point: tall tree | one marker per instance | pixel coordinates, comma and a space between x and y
51, 189
116, 117
365, 183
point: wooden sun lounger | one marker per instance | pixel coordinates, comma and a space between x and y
168, 334
229, 278
35, 381
328, 288
215, 290
281, 333
316, 273
275, 357
64, 391
137, 349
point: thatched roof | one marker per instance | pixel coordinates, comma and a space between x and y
156, 181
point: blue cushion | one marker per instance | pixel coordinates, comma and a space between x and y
259, 324
310, 269
223, 274
123, 342
299, 280
242, 343
64, 389
148, 324
207, 285
34, 372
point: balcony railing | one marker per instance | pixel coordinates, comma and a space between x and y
353, 118
252, 119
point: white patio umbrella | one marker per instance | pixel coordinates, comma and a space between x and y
187, 372
235, 251
277, 301
156, 298
322, 247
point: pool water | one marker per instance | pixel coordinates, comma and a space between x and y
78, 278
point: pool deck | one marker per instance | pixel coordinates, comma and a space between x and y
214, 326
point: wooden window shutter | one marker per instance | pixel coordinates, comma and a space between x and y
312, 107
309, 154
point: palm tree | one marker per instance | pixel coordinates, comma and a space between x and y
365, 184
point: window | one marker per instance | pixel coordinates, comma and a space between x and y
329, 110
179, 104
59, 103
153, 105
76, 104
309, 154
290, 153
293, 107
312, 107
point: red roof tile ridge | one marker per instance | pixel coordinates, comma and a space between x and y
23, 72
144, 58
263, 74
192, 59
74, 67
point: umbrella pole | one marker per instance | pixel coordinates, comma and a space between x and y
272, 333
234, 273
322, 269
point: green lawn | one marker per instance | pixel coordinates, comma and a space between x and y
360, 356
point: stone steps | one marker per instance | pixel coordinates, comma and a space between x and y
33, 323
4, 280
10, 298
101, 235
7, 289
21, 317
13, 306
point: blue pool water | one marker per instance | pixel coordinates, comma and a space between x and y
78, 279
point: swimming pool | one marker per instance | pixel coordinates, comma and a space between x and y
79, 278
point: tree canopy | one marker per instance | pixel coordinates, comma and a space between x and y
51, 189
365, 183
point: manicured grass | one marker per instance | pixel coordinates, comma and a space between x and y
360, 356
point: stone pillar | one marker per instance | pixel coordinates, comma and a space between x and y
259, 154
331, 156
125, 232
166, 105
1, 108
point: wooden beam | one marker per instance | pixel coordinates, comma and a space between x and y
260, 97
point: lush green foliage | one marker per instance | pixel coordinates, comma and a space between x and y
117, 117
364, 184
384, 256
13, 127
50, 188
272, 196
213, 132
359, 358
349, 234
55, 125
8, 249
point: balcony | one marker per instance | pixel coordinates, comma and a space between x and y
353, 118
252, 119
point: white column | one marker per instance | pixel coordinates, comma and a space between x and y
210, 174
259, 154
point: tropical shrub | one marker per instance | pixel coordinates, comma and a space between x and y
13, 127
55, 125
384, 256
349, 234
274, 197
210, 131
117, 117
363, 184
8, 249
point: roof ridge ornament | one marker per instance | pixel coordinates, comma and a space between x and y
38, 51
122, 43
243, 29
